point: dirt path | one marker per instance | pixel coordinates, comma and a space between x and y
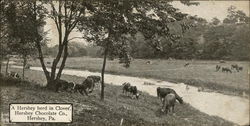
231, 108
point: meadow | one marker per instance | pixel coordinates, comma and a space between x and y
198, 73
91, 111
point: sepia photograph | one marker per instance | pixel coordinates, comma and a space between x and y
124, 62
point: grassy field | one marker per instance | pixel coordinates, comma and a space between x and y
90, 111
198, 73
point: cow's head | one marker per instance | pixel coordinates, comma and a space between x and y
181, 100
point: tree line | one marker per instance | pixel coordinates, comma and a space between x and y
119, 28
215, 40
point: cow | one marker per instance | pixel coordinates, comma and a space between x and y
148, 62
87, 86
14, 75
127, 88
96, 79
27, 66
234, 66
185, 65
240, 68
63, 85
218, 68
225, 69
162, 92
169, 103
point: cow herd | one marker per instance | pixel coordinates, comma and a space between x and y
167, 96
86, 87
14, 75
234, 67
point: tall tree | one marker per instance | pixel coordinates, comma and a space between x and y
3, 33
65, 15
107, 27
114, 22
21, 29
235, 16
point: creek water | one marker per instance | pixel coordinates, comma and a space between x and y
231, 108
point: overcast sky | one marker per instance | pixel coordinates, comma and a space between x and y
206, 9
210, 9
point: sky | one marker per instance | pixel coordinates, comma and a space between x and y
206, 9
210, 9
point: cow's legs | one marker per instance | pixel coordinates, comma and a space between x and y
85, 92
81, 92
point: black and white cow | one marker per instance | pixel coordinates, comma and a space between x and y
87, 86
14, 75
128, 88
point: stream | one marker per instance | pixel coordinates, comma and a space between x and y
231, 108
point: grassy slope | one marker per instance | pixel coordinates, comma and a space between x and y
199, 73
91, 111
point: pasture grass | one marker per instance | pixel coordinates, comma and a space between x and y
90, 111
198, 73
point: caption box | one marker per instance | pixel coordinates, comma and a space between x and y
41, 113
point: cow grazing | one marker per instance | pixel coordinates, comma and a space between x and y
227, 70
163, 92
80, 88
240, 68
185, 65
234, 66
169, 103
63, 85
87, 86
96, 79
14, 75
89, 83
127, 88
27, 66
218, 68
148, 62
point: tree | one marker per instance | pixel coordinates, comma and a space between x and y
21, 30
241, 45
4, 39
107, 27
65, 15
113, 22
235, 16
215, 21
228, 40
